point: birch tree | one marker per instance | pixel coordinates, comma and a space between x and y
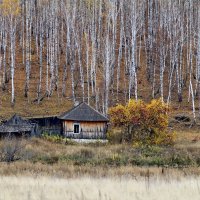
11, 10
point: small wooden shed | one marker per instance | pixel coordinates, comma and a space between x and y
17, 126
84, 122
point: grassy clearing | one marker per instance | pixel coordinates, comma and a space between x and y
26, 188
56, 171
39, 156
105, 155
48, 153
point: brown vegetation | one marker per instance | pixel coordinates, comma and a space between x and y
41, 157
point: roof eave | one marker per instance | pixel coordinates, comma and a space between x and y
81, 120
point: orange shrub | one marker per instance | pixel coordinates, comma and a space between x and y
143, 123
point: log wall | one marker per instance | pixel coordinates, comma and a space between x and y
88, 130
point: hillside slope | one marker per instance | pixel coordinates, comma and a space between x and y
100, 52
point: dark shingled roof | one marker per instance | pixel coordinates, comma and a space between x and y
84, 112
16, 124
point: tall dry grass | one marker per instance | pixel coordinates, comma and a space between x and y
43, 188
70, 161
70, 171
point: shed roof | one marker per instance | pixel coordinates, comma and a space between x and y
16, 124
15, 129
17, 120
84, 112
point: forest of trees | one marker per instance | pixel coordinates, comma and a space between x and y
98, 51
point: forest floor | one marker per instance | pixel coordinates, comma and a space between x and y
57, 104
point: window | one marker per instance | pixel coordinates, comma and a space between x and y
77, 128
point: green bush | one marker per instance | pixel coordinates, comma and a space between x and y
81, 157
180, 160
57, 139
50, 160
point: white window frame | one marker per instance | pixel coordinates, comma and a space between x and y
77, 124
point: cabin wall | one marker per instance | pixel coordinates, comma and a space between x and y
88, 130
49, 125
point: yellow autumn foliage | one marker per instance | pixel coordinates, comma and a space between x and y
10, 7
143, 123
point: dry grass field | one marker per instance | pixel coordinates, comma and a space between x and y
53, 170
46, 170
43, 188
41, 157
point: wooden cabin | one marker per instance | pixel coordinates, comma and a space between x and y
17, 126
84, 122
